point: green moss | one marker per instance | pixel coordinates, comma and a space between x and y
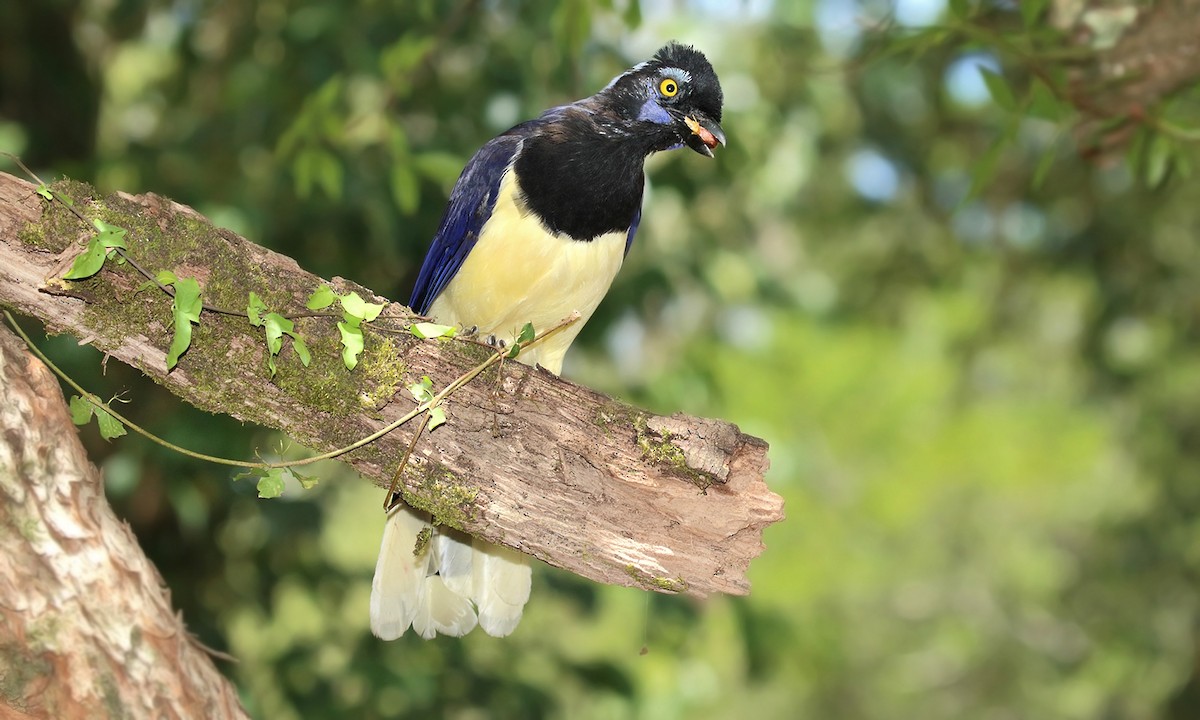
34, 236
112, 697
29, 528
444, 496
422, 543
58, 227
613, 416
382, 366
24, 666
658, 449
326, 383
651, 582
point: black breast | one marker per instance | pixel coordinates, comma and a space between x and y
579, 181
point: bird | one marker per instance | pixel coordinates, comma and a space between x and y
535, 229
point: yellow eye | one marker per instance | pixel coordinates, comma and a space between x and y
669, 88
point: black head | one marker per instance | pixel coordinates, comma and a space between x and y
673, 99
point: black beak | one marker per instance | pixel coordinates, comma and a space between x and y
705, 133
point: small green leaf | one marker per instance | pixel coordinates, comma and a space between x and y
1158, 160
1182, 166
187, 298
308, 482
301, 350
1043, 166
81, 413
276, 326
319, 167
45, 192
110, 427
513, 350
355, 306
441, 167
255, 309
1043, 103
321, 299
426, 330
81, 410
527, 333
633, 14
998, 87
984, 170
422, 391
87, 263
437, 416
110, 236
270, 484
250, 474
1031, 11
186, 309
352, 343
406, 191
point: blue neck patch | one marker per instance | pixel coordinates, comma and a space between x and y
654, 113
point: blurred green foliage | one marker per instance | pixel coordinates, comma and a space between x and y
974, 353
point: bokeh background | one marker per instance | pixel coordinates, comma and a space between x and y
968, 329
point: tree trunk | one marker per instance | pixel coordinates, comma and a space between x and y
86, 625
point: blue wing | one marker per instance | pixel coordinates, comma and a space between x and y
471, 203
637, 220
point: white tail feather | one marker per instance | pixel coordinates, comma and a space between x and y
476, 582
442, 611
453, 555
502, 582
399, 575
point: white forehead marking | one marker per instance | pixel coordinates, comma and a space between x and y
679, 74
630, 71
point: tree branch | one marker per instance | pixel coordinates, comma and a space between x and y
1143, 55
577, 479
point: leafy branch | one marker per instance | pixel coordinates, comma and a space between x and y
109, 243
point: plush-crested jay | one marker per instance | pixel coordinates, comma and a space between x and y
536, 228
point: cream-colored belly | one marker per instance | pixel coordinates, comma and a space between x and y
519, 273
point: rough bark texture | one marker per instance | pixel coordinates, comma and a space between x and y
583, 482
86, 627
